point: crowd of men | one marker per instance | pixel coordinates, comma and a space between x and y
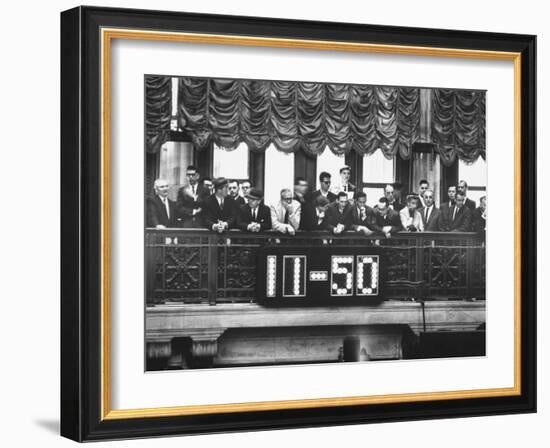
222, 204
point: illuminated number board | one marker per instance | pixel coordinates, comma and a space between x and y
319, 274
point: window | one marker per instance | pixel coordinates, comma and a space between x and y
377, 172
174, 158
232, 164
279, 174
475, 176
331, 163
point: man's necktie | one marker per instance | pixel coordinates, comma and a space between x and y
166, 206
454, 212
426, 215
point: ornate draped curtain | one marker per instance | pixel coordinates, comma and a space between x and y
158, 110
299, 115
312, 116
458, 124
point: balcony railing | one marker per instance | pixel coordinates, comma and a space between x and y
200, 266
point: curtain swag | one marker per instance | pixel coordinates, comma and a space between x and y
158, 111
299, 115
312, 116
458, 124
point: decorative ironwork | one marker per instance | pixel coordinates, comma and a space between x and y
198, 266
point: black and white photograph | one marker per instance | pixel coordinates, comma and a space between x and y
292, 222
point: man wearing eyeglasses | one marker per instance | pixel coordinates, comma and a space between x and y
190, 199
324, 190
286, 214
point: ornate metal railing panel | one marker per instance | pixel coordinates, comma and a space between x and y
199, 266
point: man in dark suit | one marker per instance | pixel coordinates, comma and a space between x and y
362, 217
463, 188
324, 190
190, 199
219, 210
315, 215
387, 220
479, 220
389, 194
161, 211
338, 214
446, 209
461, 216
254, 216
431, 215
423, 185
233, 188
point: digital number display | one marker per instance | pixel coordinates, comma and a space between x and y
322, 273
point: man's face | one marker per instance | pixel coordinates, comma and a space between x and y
388, 192
223, 191
342, 201
462, 188
286, 198
192, 177
452, 193
361, 202
233, 189
245, 187
383, 208
208, 184
325, 183
161, 188
301, 187
429, 198
253, 203
345, 175
483, 204
459, 200
423, 188
322, 208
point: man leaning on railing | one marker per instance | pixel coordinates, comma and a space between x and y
219, 210
285, 215
254, 216
161, 211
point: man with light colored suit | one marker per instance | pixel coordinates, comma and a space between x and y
411, 219
286, 214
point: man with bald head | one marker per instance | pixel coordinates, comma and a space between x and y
431, 215
161, 211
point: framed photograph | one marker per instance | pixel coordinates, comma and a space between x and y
275, 224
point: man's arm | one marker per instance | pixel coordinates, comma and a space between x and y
242, 218
266, 225
275, 223
208, 215
152, 218
404, 217
232, 217
294, 217
465, 224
